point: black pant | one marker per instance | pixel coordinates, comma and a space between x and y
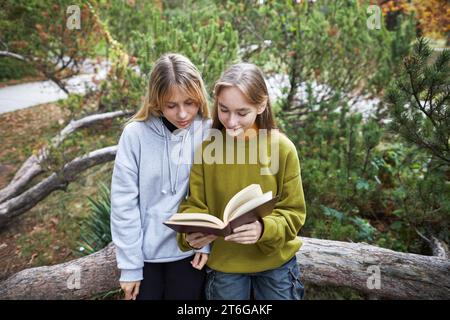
176, 280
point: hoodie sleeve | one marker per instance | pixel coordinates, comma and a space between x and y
205, 249
126, 228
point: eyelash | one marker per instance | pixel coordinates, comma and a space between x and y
240, 114
190, 103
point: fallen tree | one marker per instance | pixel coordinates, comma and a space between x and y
371, 270
32, 166
374, 271
77, 279
56, 181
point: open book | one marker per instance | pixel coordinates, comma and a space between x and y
246, 206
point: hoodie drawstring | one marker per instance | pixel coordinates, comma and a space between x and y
163, 191
173, 187
180, 155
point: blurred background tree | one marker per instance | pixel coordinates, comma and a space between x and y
432, 16
36, 36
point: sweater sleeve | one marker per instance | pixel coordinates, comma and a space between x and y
126, 228
195, 203
289, 213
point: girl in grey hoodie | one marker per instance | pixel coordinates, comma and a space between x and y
150, 179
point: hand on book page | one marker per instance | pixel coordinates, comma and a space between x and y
247, 206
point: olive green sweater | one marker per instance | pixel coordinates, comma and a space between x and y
212, 185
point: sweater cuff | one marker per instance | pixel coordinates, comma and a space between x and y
182, 243
131, 275
270, 228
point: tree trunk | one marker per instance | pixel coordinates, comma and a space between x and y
374, 271
77, 279
439, 248
380, 273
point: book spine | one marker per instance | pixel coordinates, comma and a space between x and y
227, 230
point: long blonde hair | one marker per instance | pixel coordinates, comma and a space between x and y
172, 69
249, 79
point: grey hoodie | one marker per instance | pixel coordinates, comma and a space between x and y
150, 179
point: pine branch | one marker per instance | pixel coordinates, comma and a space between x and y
426, 122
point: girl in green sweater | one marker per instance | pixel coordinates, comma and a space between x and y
246, 148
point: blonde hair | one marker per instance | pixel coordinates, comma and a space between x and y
170, 70
249, 79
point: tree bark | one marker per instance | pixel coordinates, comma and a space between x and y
439, 248
32, 168
77, 279
323, 263
56, 181
356, 266
12, 55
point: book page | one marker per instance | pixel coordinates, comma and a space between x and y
251, 204
201, 223
196, 217
245, 195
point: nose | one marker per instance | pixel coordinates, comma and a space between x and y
182, 114
232, 121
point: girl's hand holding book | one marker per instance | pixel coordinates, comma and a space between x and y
246, 234
198, 240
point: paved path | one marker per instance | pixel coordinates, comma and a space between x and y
26, 95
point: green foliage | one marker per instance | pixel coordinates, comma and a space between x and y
147, 33
420, 101
419, 107
363, 230
74, 104
325, 41
14, 69
37, 30
336, 149
376, 185
96, 230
